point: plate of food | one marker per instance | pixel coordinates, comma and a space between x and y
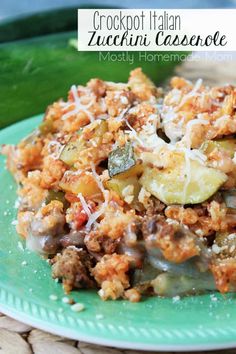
118, 215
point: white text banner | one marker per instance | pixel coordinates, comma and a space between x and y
156, 29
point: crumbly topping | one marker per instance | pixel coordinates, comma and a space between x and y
165, 200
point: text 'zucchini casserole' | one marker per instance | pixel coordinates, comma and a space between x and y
132, 190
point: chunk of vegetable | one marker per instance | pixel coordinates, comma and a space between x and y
132, 172
228, 145
121, 160
57, 195
230, 198
171, 285
83, 183
188, 268
226, 243
144, 274
118, 185
70, 153
101, 129
181, 184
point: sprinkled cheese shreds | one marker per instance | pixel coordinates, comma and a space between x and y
133, 134
78, 106
192, 93
94, 216
130, 190
84, 205
56, 148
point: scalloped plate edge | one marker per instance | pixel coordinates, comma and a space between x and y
74, 334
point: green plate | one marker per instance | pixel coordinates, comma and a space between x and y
191, 323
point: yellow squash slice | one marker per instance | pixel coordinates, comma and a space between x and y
185, 182
228, 145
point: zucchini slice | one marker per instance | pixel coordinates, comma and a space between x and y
118, 185
71, 152
57, 195
121, 160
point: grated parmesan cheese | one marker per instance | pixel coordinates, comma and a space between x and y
78, 106
192, 93
133, 134
94, 216
84, 204
58, 149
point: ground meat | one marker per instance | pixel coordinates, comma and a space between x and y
176, 243
155, 206
73, 268
92, 242
95, 242
111, 274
